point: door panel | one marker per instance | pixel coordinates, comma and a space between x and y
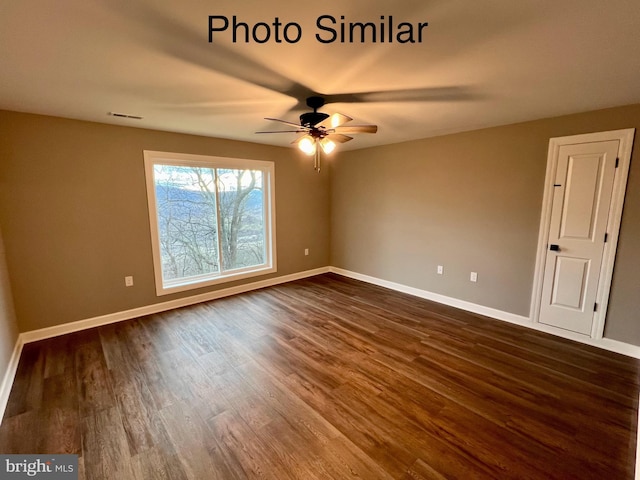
580, 205
569, 282
582, 196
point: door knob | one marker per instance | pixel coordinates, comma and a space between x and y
554, 247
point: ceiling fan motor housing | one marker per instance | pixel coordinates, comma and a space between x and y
311, 119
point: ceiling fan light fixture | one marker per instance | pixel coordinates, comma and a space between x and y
307, 145
327, 145
322, 132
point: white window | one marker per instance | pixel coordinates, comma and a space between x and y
212, 219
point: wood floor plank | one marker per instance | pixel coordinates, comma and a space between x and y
104, 445
60, 391
256, 457
26, 392
421, 470
140, 418
59, 431
285, 442
58, 356
335, 452
18, 431
195, 444
324, 378
94, 387
157, 464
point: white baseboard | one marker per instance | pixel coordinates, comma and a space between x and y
604, 343
435, 297
49, 332
44, 333
9, 376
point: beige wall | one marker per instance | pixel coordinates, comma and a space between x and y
8, 326
472, 202
73, 209
74, 215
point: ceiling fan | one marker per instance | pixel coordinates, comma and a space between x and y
321, 129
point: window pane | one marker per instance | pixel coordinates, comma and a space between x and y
212, 217
186, 207
241, 218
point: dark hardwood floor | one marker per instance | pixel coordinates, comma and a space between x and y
319, 379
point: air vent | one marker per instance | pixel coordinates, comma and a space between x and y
125, 115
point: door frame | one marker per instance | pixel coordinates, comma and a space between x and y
625, 137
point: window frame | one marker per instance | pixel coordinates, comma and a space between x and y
152, 158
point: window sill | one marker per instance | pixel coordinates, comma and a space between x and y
194, 284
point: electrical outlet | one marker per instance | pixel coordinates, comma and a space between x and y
128, 281
306, 251
474, 276
440, 269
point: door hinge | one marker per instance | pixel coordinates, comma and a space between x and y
595, 307
606, 237
617, 162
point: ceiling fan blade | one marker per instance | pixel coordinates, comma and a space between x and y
283, 131
427, 94
183, 42
334, 121
285, 122
357, 129
339, 138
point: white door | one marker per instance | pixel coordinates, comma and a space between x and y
582, 195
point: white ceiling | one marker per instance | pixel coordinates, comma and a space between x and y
481, 63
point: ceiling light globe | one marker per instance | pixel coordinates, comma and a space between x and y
327, 145
307, 145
